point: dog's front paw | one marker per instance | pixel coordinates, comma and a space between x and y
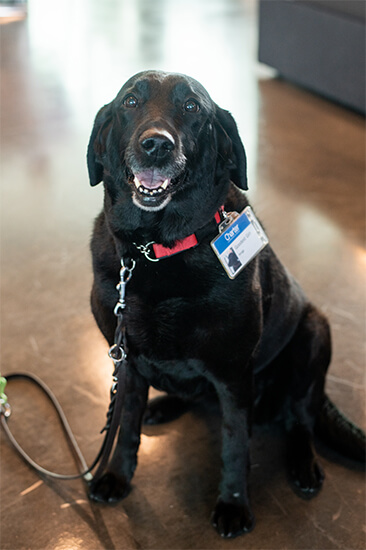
231, 519
109, 488
306, 477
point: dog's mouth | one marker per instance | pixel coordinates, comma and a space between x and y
151, 189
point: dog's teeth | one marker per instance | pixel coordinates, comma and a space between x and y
137, 182
150, 192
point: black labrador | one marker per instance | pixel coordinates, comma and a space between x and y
173, 166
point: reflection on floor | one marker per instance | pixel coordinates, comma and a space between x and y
306, 171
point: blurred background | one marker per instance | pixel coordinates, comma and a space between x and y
292, 75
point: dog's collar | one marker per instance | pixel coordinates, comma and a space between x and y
155, 252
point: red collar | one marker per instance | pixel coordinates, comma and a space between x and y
191, 241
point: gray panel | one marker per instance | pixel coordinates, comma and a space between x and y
320, 50
353, 8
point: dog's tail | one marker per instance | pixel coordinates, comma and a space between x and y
339, 433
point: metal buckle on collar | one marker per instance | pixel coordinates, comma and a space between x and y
146, 251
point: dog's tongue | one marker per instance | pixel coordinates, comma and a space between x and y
151, 179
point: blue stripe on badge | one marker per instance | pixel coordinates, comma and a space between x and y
231, 233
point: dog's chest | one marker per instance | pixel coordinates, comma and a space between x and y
169, 331
177, 322
183, 378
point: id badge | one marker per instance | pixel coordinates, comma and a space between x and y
241, 239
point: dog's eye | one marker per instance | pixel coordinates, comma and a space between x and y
130, 101
191, 106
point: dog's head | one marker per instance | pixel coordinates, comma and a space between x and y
160, 135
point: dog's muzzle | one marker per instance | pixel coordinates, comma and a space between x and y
155, 166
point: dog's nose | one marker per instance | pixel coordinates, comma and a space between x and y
157, 145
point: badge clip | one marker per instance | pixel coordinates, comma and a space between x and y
229, 217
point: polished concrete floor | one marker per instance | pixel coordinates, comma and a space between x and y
306, 160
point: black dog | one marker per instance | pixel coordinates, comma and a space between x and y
170, 160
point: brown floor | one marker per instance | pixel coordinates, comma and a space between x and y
307, 177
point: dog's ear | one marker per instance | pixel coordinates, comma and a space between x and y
231, 147
96, 146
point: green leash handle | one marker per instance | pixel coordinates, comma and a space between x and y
3, 396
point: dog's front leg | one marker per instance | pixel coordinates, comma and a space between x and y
232, 515
115, 483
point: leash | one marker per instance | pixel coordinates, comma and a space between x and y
118, 354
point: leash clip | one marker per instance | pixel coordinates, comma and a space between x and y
117, 352
125, 275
